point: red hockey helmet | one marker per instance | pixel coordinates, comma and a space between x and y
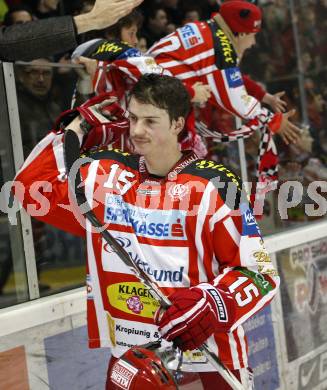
241, 16
140, 368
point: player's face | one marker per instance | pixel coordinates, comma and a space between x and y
246, 41
129, 35
151, 130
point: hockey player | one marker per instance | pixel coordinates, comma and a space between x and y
209, 52
182, 219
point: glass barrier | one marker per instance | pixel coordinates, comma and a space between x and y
43, 92
291, 57
13, 278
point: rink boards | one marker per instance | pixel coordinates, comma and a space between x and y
43, 343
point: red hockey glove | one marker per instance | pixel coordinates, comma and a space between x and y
195, 314
103, 122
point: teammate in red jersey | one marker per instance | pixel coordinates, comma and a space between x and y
182, 219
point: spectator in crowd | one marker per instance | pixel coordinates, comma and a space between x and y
37, 110
121, 41
57, 35
174, 11
44, 8
191, 14
155, 26
17, 15
126, 29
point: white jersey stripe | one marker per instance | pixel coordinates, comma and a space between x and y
99, 75
59, 156
98, 303
196, 73
232, 230
203, 210
241, 336
220, 214
38, 150
189, 61
233, 350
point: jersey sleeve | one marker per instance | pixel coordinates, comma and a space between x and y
41, 186
253, 88
246, 270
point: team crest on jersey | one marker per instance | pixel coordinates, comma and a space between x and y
178, 191
190, 36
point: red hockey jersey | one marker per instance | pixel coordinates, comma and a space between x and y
190, 227
201, 51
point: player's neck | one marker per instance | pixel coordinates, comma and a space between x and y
160, 165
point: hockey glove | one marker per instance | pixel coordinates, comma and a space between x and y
103, 121
196, 313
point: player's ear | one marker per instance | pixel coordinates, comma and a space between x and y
178, 125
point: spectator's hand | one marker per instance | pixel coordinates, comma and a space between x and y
275, 101
289, 132
86, 75
105, 13
201, 92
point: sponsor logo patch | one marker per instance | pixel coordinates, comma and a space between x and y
133, 298
190, 36
122, 374
249, 224
149, 223
234, 77
166, 266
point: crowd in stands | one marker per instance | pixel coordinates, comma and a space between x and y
281, 61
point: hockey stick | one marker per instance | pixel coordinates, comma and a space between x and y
71, 155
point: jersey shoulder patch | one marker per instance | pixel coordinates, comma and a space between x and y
190, 36
225, 53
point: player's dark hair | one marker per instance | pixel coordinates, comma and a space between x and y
133, 18
164, 92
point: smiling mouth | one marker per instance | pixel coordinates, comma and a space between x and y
140, 141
